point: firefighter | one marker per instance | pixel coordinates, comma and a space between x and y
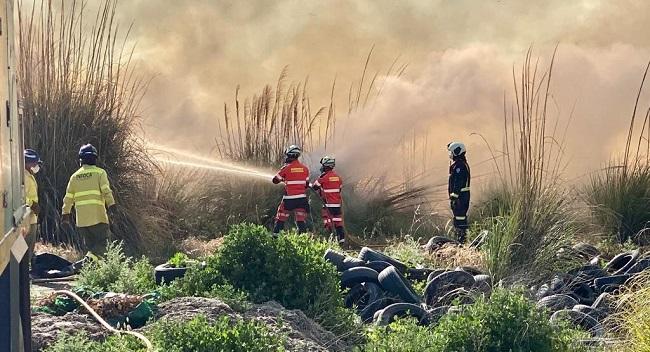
295, 177
32, 167
459, 180
328, 186
90, 193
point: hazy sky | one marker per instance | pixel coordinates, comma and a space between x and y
460, 56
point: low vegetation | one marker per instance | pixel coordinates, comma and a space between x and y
116, 272
506, 322
196, 335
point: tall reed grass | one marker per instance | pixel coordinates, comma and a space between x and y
534, 219
618, 194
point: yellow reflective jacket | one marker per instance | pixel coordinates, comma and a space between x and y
31, 194
90, 193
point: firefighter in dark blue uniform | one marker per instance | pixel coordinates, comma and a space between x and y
459, 180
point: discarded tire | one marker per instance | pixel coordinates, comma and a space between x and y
351, 262
579, 319
584, 294
557, 302
363, 294
377, 265
392, 281
588, 273
370, 255
459, 296
388, 314
446, 282
641, 265
620, 263
358, 275
543, 291
335, 258
595, 313
434, 274
610, 283
436, 313
165, 273
605, 302
369, 311
436, 242
469, 269
586, 250
483, 283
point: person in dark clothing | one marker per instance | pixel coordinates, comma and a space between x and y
459, 181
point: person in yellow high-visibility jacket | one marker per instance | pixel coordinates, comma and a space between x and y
90, 193
32, 167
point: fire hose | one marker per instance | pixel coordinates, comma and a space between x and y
103, 322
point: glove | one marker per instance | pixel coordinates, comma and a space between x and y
66, 218
275, 180
452, 203
36, 209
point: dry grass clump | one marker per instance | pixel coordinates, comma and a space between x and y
451, 256
633, 316
198, 248
65, 251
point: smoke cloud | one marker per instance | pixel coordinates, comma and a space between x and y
460, 55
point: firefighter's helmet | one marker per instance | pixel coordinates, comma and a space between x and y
293, 151
328, 161
87, 150
456, 149
31, 157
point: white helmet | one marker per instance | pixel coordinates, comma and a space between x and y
328, 161
456, 149
292, 151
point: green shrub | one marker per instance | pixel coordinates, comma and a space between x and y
81, 343
199, 335
185, 287
403, 335
116, 272
252, 264
507, 322
289, 269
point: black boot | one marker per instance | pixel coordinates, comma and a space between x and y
279, 226
460, 235
302, 226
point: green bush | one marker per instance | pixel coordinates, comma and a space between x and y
81, 343
507, 322
198, 335
116, 272
289, 269
403, 335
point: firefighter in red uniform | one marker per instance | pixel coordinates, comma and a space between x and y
295, 176
328, 185
459, 179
